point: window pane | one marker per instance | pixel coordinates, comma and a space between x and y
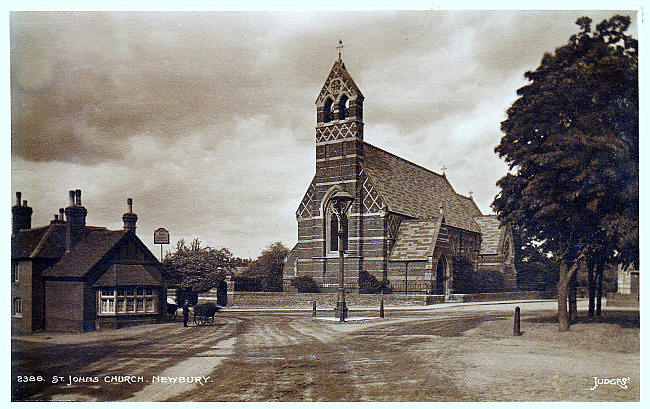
107, 292
140, 291
120, 305
129, 290
130, 304
334, 233
120, 291
149, 291
149, 304
139, 305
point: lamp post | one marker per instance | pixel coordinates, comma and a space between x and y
341, 202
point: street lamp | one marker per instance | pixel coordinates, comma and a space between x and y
341, 202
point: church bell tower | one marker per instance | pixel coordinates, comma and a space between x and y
339, 128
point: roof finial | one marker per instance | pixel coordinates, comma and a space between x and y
471, 193
444, 168
339, 47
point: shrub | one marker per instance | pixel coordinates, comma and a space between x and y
486, 281
368, 284
305, 284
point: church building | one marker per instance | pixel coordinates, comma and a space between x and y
71, 277
407, 224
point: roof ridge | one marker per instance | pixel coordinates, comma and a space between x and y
409, 162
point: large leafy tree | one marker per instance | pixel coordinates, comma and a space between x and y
268, 266
571, 142
196, 268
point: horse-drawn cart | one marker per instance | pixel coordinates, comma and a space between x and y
204, 313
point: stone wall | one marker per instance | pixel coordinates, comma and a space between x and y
326, 300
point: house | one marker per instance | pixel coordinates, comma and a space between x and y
407, 224
71, 277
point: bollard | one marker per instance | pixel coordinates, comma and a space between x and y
516, 331
381, 309
313, 308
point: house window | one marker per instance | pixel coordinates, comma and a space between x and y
127, 300
15, 273
18, 307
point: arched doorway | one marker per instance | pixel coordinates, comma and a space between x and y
441, 274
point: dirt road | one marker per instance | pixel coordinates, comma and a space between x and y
451, 354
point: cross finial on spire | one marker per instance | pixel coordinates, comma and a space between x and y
444, 168
339, 47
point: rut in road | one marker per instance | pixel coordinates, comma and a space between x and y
145, 355
284, 358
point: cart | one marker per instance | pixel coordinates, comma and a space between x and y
204, 313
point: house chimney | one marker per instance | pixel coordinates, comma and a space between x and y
75, 215
61, 214
21, 216
129, 217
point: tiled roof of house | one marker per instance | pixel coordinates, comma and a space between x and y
414, 191
491, 234
90, 250
53, 243
126, 274
415, 239
26, 241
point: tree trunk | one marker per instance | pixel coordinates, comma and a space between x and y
599, 274
562, 287
573, 299
592, 288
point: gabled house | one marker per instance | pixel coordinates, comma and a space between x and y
71, 277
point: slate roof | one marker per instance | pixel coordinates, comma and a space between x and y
126, 274
415, 239
52, 245
412, 190
491, 234
90, 250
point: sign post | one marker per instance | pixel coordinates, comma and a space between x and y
161, 236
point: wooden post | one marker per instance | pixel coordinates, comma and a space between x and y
313, 308
381, 309
517, 328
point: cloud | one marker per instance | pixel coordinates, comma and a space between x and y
207, 119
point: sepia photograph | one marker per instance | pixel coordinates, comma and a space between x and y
303, 204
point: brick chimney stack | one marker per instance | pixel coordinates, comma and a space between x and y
129, 218
75, 215
21, 216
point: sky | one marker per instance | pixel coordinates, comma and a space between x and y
206, 119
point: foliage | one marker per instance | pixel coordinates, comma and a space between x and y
305, 284
196, 269
535, 271
463, 275
571, 142
368, 284
266, 270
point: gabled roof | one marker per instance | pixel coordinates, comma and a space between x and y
24, 243
345, 83
470, 205
52, 245
415, 239
414, 191
126, 274
491, 233
90, 250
